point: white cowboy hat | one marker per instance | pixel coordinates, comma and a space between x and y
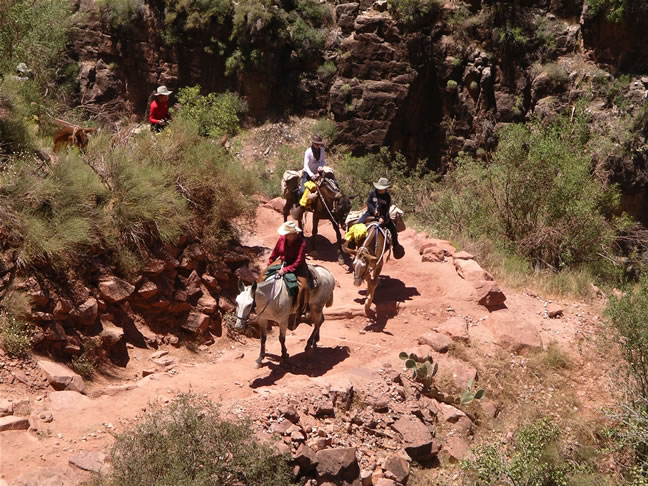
382, 183
22, 67
162, 90
288, 227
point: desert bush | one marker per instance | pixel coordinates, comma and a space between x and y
618, 10
536, 196
534, 459
16, 335
181, 18
189, 443
327, 70
34, 32
215, 114
327, 128
411, 11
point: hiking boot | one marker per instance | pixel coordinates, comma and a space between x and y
399, 252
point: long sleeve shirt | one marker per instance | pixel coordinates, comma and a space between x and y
378, 204
311, 164
291, 252
159, 111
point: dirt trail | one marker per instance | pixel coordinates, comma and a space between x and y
412, 298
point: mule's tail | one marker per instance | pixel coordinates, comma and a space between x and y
329, 302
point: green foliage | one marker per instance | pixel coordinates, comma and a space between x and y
33, 32
613, 90
423, 370
183, 18
627, 315
511, 35
83, 365
16, 336
327, 128
470, 394
412, 11
215, 114
535, 459
121, 13
327, 70
537, 196
618, 10
546, 31
451, 86
189, 443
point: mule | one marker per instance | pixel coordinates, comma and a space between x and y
330, 204
72, 136
369, 258
274, 303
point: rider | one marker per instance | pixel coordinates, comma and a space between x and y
291, 250
159, 113
378, 204
313, 161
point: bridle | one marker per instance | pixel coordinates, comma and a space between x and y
363, 251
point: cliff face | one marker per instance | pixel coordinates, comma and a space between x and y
432, 86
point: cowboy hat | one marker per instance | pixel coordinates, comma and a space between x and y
22, 67
162, 90
288, 227
317, 139
382, 183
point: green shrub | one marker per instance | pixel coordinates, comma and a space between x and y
537, 196
188, 443
451, 86
327, 128
121, 13
16, 336
618, 10
34, 32
183, 18
535, 459
215, 114
411, 11
327, 70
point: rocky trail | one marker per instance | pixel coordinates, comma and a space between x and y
347, 394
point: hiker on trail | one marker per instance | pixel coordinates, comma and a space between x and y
159, 112
291, 250
313, 161
378, 205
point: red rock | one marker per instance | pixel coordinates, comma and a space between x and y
113, 289
193, 285
63, 400
417, 438
276, 204
463, 255
384, 482
488, 293
111, 334
456, 448
6, 407
154, 267
61, 377
210, 281
470, 270
456, 328
196, 322
207, 304
489, 407
427, 246
13, 423
305, 458
437, 341
554, 310
397, 467
433, 254
61, 310
513, 332
87, 312
148, 290
337, 465
89, 461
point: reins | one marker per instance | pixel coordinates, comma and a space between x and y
365, 249
319, 193
270, 299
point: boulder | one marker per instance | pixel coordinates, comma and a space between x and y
113, 289
13, 423
61, 377
63, 400
111, 334
554, 310
337, 465
463, 255
488, 293
437, 341
276, 204
470, 270
433, 254
92, 461
455, 448
87, 312
513, 331
148, 289
385, 482
305, 458
417, 438
397, 467
207, 304
455, 327
196, 322
6, 407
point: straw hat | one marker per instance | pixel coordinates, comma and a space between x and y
288, 227
162, 90
317, 139
382, 183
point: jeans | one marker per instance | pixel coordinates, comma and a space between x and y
305, 178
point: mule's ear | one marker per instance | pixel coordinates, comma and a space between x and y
241, 285
372, 258
254, 286
350, 251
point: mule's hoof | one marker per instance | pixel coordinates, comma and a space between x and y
257, 364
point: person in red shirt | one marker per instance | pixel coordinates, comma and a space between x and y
291, 250
159, 114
